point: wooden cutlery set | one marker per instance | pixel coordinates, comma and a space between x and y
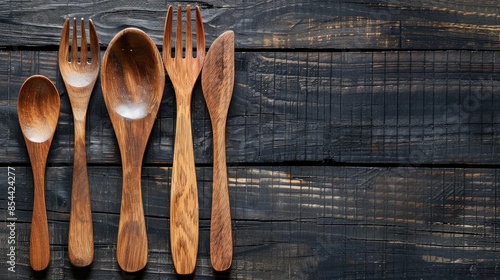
133, 81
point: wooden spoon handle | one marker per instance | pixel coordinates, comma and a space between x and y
80, 236
39, 235
184, 197
221, 239
132, 246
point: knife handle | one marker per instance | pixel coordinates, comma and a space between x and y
221, 238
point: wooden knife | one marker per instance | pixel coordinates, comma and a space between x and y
217, 80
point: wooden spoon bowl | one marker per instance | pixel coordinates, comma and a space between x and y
38, 108
133, 80
132, 77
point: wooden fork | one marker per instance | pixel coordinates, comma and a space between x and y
184, 72
79, 76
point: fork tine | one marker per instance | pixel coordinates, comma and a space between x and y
94, 43
74, 44
200, 35
178, 35
63, 45
167, 35
189, 39
83, 47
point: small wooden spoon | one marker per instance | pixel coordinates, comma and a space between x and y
38, 109
133, 80
217, 80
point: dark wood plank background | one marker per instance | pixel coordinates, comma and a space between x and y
362, 139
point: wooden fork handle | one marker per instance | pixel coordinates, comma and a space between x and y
221, 239
132, 243
80, 235
184, 197
39, 235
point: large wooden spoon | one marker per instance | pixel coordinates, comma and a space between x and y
133, 80
217, 80
38, 108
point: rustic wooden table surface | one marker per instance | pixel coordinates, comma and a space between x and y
362, 140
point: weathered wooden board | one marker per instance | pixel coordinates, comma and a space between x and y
292, 222
402, 108
362, 139
280, 24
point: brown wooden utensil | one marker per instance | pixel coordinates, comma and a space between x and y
79, 77
38, 109
217, 80
184, 72
133, 80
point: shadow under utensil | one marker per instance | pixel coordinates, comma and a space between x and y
223, 274
81, 272
134, 275
186, 277
42, 274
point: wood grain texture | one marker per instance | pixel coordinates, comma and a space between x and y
264, 24
217, 80
79, 72
295, 222
133, 80
184, 68
411, 108
38, 111
362, 140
